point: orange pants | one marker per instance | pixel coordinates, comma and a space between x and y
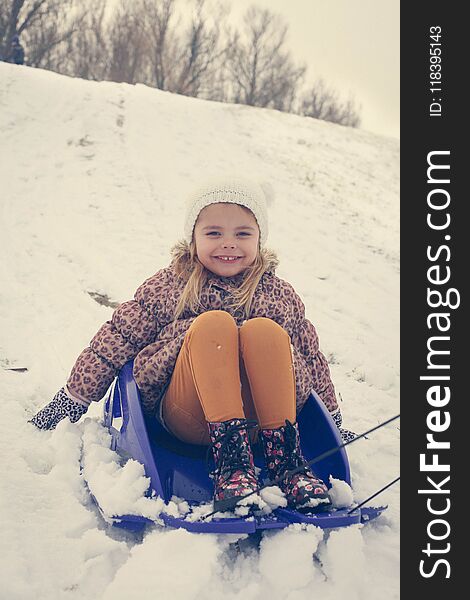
225, 372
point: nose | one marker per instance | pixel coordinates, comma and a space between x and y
226, 244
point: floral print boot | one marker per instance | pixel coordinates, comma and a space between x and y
303, 490
234, 475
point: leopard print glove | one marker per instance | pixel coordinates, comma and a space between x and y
346, 434
60, 407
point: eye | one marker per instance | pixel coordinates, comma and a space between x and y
241, 233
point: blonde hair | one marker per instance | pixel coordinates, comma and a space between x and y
188, 267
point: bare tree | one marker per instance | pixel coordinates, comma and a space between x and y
43, 24
127, 48
322, 102
183, 54
86, 53
14, 19
157, 17
261, 68
200, 51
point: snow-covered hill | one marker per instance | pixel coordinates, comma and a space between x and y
93, 177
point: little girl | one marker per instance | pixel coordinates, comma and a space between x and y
219, 342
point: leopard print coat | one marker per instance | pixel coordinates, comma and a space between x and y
145, 329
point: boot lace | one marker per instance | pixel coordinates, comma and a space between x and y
292, 458
232, 456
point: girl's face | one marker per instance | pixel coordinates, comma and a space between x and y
226, 230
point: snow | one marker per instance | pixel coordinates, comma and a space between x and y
119, 490
174, 564
93, 181
341, 494
288, 572
273, 496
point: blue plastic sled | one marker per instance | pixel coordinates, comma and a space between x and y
179, 469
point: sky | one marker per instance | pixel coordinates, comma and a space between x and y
353, 45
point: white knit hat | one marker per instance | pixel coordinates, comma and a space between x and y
233, 189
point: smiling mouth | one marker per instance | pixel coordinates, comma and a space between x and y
228, 259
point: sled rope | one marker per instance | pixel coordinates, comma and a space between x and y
373, 495
310, 462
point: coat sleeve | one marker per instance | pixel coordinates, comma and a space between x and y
133, 325
309, 359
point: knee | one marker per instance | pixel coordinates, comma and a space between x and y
261, 326
214, 320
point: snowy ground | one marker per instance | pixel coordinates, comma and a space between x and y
93, 177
